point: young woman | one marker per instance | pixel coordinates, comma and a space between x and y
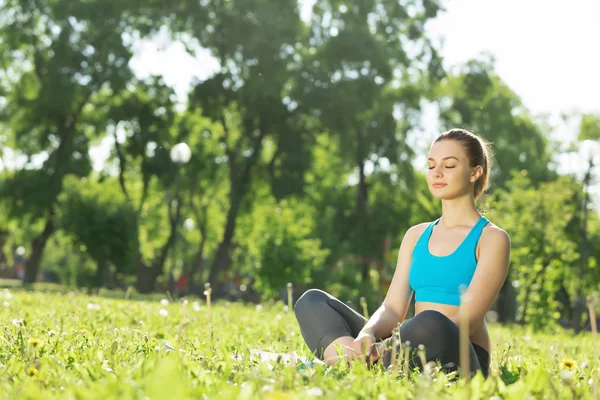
437, 261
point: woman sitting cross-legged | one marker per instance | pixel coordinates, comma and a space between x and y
461, 249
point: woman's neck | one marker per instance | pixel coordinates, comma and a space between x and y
459, 212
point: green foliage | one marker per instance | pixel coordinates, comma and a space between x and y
284, 246
28, 191
101, 219
476, 99
590, 127
542, 223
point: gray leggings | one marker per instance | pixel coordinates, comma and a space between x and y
323, 319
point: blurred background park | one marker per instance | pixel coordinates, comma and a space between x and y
251, 143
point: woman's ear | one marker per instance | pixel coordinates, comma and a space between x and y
476, 173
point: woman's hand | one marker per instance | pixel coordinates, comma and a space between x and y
363, 346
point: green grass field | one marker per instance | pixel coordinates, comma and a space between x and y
73, 346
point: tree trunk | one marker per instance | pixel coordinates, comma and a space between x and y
563, 297
580, 304
3, 258
62, 159
361, 216
146, 276
146, 279
221, 261
197, 266
99, 278
361, 200
239, 187
32, 266
506, 306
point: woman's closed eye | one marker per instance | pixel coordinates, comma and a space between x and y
447, 166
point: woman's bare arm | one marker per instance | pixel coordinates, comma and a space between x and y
397, 300
491, 272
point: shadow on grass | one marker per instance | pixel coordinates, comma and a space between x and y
56, 288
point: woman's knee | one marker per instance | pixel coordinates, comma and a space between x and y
308, 300
434, 320
428, 328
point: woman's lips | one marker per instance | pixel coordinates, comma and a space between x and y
438, 185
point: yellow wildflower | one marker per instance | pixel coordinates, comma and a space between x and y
570, 364
32, 371
37, 343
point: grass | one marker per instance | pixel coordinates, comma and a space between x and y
73, 346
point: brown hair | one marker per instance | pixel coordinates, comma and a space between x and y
478, 152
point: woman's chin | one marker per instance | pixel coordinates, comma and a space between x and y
445, 195
439, 193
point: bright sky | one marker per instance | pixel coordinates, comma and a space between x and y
544, 51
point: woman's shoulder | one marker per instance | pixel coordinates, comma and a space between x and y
492, 234
415, 231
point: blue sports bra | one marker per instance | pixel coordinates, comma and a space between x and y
439, 279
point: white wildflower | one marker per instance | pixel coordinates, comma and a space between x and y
314, 392
196, 306
92, 306
259, 307
164, 302
492, 316
163, 312
17, 322
7, 294
6, 304
184, 303
566, 374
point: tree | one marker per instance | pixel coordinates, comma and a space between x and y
589, 132
141, 119
476, 99
101, 219
245, 96
589, 128
287, 249
58, 55
206, 187
544, 228
366, 67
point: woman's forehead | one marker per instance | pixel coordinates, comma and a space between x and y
445, 149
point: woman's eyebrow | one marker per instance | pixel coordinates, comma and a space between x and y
445, 158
